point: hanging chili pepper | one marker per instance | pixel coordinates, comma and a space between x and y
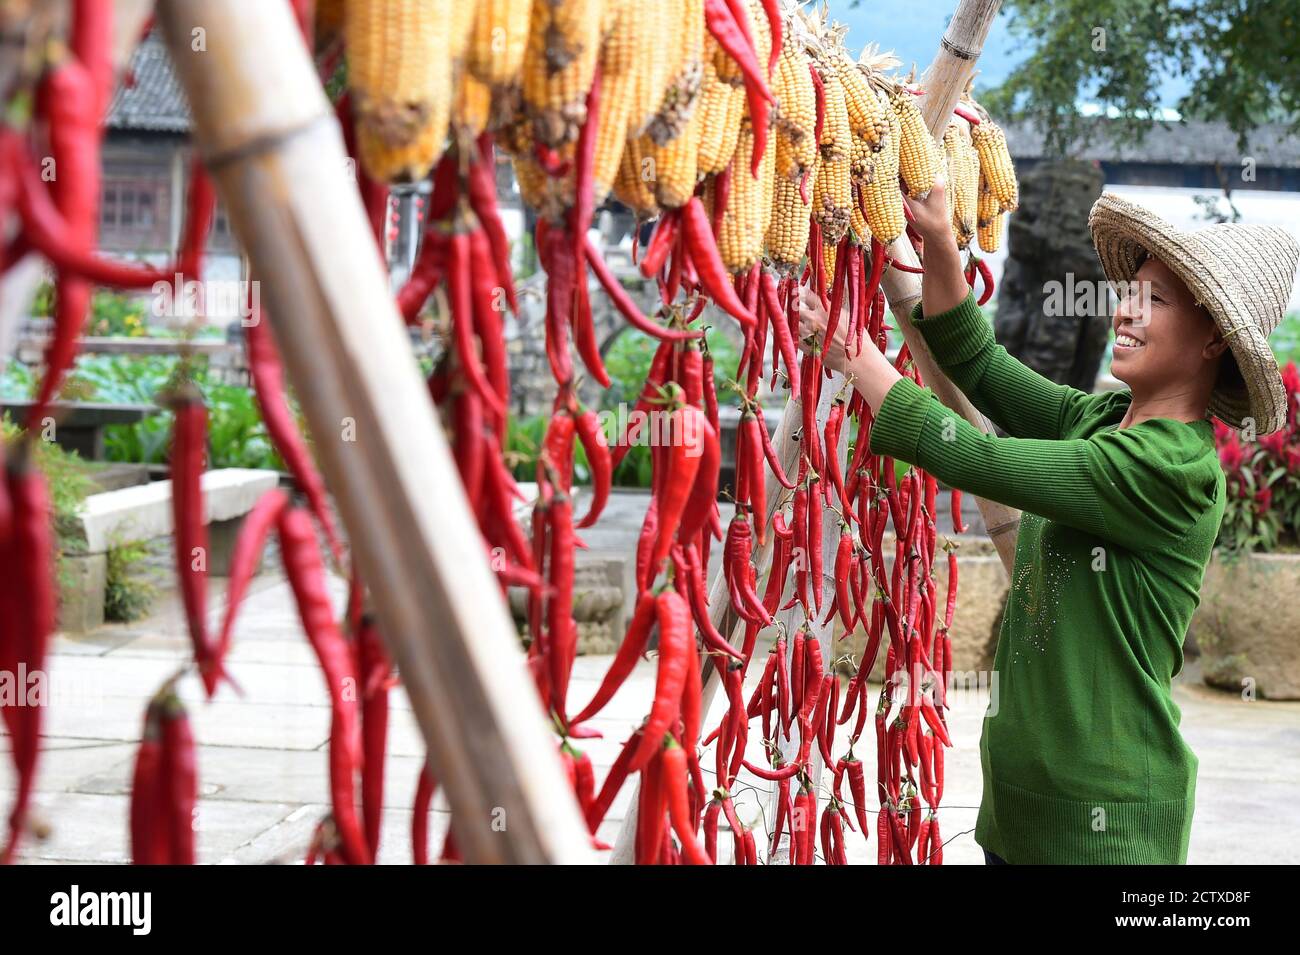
374, 668
629, 651
708, 261
180, 779
147, 834
673, 777
674, 620
306, 573
425, 788
628, 308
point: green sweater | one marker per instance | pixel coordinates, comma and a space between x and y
1082, 758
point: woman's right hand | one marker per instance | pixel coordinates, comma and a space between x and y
930, 215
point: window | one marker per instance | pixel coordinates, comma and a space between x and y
135, 204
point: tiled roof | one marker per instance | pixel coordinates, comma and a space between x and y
1192, 142
154, 102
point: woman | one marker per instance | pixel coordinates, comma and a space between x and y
1122, 496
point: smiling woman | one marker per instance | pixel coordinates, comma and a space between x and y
1123, 495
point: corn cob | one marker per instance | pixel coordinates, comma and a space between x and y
559, 63
620, 52
497, 43
866, 117
989, 216
862, 159
473, 105
682, 94
633, 186
327, 23
401, 82
965, 198
857, 221
721, 127
728, 70
796, 113
749, 205
918, 161
995, 162
791, 219
833, 190
830, 255
656, 59
463, 13
882, 197
675, 164
952, 165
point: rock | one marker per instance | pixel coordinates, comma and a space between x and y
1246, 625
1049, 242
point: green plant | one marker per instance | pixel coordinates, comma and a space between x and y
128, 595
116, 315
69, 480
1262, 511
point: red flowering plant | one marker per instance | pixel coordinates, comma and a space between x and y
1263, 506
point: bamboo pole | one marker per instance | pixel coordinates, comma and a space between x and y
945, 79
943, 83
266, 130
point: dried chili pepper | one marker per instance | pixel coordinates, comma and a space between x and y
674, 619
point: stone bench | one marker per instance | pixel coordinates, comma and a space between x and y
81, 424
143, 512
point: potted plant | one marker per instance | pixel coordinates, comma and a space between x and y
1247, 622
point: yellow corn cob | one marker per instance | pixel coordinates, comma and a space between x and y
791, 218
682, 95
634, 184
965, 197
744, 224
952, 167
463, 14
989, 216
620, 55
862, 160
829, 257
721, 106
796, 113
728, 70
473, 105
857, 221
918, 161
833, 190
675, 164
559, 63
883, 199
498, 41
995, 162
759, 30
866, 117
401, 82
656, 20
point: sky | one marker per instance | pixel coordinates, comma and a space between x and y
912, 29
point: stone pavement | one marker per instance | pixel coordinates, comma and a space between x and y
263, 760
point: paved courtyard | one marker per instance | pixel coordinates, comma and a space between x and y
263, 754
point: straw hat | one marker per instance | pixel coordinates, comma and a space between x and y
1242, 274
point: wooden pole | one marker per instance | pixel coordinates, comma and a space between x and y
267, 132
943, 83
945, 80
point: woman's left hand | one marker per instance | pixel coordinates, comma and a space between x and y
869, 370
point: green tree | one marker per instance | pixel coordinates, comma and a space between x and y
1240, 60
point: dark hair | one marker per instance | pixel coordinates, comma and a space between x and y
1229, 377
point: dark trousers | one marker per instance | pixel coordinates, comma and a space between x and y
991, 859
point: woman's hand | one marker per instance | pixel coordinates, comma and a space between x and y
930, 215
869, 370
812, 330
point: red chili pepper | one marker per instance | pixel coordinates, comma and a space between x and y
753, 448
563, 630
739, 572
783, 698
244, 557
729, 28
645, 569
815, 543
306, 573
661, 244
189, 447
28, 610
674, 620
614, 780
987, 275
628, 308
488, 325
599, 462
482, 194
650, 829
374, 667
936, 842
708, 261
180, 779
673, 777
687, 427
701, 505
268, 384
694, 579
781, 330
425, 788
147, 835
